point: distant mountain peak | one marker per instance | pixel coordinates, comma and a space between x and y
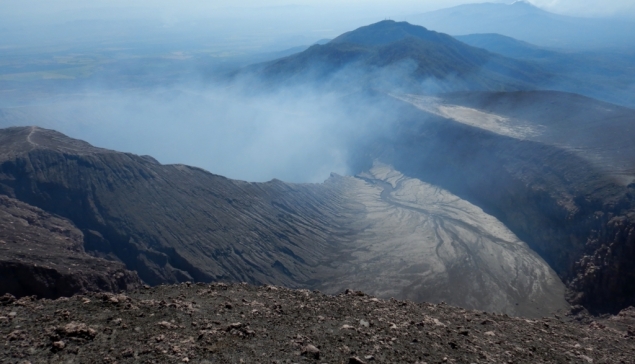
525, 21
416, 52
526, 5
388, 31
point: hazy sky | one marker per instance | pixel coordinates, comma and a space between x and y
589, 7
272, 24
62, 10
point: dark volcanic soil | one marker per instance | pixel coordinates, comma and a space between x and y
220, 323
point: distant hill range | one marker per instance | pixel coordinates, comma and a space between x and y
397, 54
402, 57
508, 46
607, 75
526, 22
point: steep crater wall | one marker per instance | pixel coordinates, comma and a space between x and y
172, 223
572, 214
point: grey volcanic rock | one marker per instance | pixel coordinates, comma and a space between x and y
189, 323
176, 223
43, 255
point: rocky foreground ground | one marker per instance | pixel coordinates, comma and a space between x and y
218, 323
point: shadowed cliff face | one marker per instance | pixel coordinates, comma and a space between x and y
43, 255
381, 231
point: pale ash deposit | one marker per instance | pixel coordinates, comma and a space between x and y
420, 242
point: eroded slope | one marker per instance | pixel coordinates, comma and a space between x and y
419, 242
170, 223
600, 132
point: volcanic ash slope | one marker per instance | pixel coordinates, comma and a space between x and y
419, 242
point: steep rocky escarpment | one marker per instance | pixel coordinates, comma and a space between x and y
558, 188
43, 255
605, 275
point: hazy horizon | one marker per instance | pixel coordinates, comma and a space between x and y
136, 76
276, 23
